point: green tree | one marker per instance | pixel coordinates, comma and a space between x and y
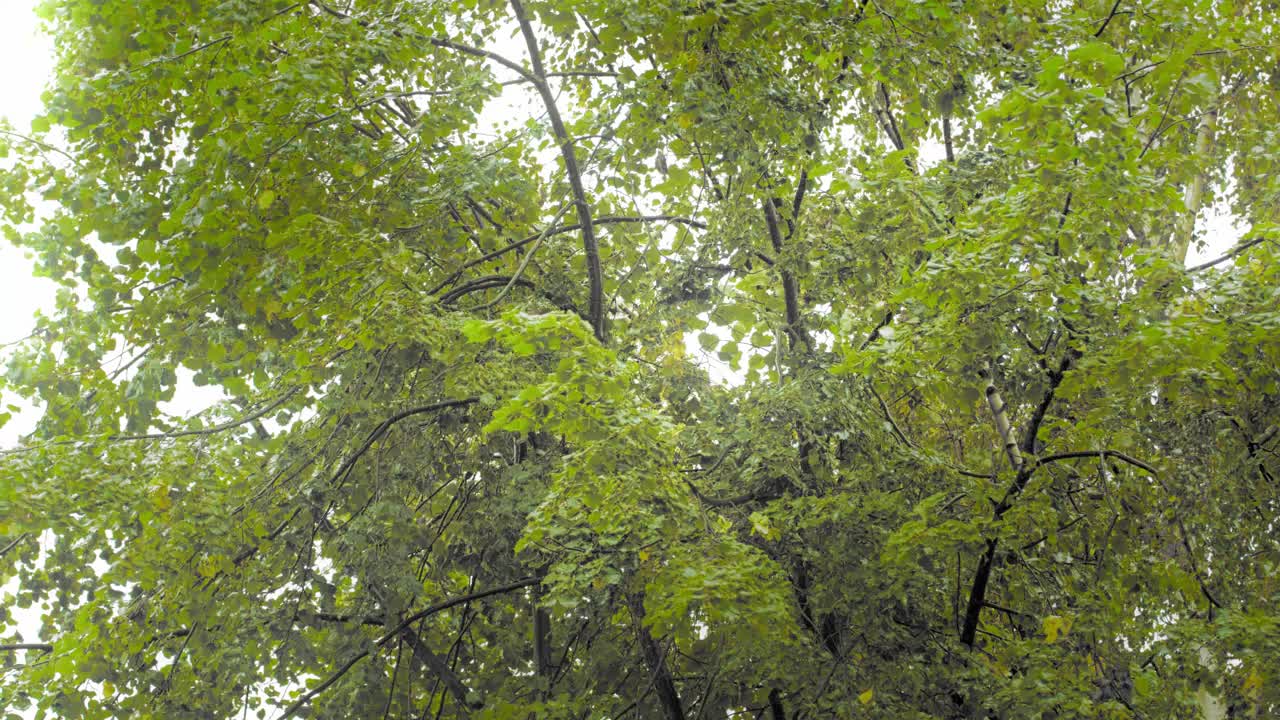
989, 448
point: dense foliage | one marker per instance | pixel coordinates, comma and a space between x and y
649, 359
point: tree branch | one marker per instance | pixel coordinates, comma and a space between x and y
445, 605
1110, 16
595, 276
14, 543
438, 607
17, 647
1000, 418
1098, 454
977, 593
791, 295
345, 468
662, 681
483, 283
1234, 252
214, 429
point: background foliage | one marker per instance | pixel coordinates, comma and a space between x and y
988, 448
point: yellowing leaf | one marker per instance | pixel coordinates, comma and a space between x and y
265, 199
359, 170
866, 697
1055, 626
1252, 684
160, 498
761, 526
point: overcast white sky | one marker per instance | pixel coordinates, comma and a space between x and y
27, 57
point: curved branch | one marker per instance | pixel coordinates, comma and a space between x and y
1097, 453
446, 604
483, 283
1234, 252
313, 692
404, 625
758, 496
231, 424
345, 468
561, 229
595, 277
212, 430
524, 262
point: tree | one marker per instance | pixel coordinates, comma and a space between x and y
988, 448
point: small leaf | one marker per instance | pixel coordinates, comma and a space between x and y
1055, 626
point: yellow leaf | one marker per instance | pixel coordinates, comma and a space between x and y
359, 170
866, 697
160, 498
1055, 626
1252, 684
265, 199
108, 689
644, 555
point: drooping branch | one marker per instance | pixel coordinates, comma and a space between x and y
211, 430
595, 276
376, 434
396, 632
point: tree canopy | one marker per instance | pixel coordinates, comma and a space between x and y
648, 359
